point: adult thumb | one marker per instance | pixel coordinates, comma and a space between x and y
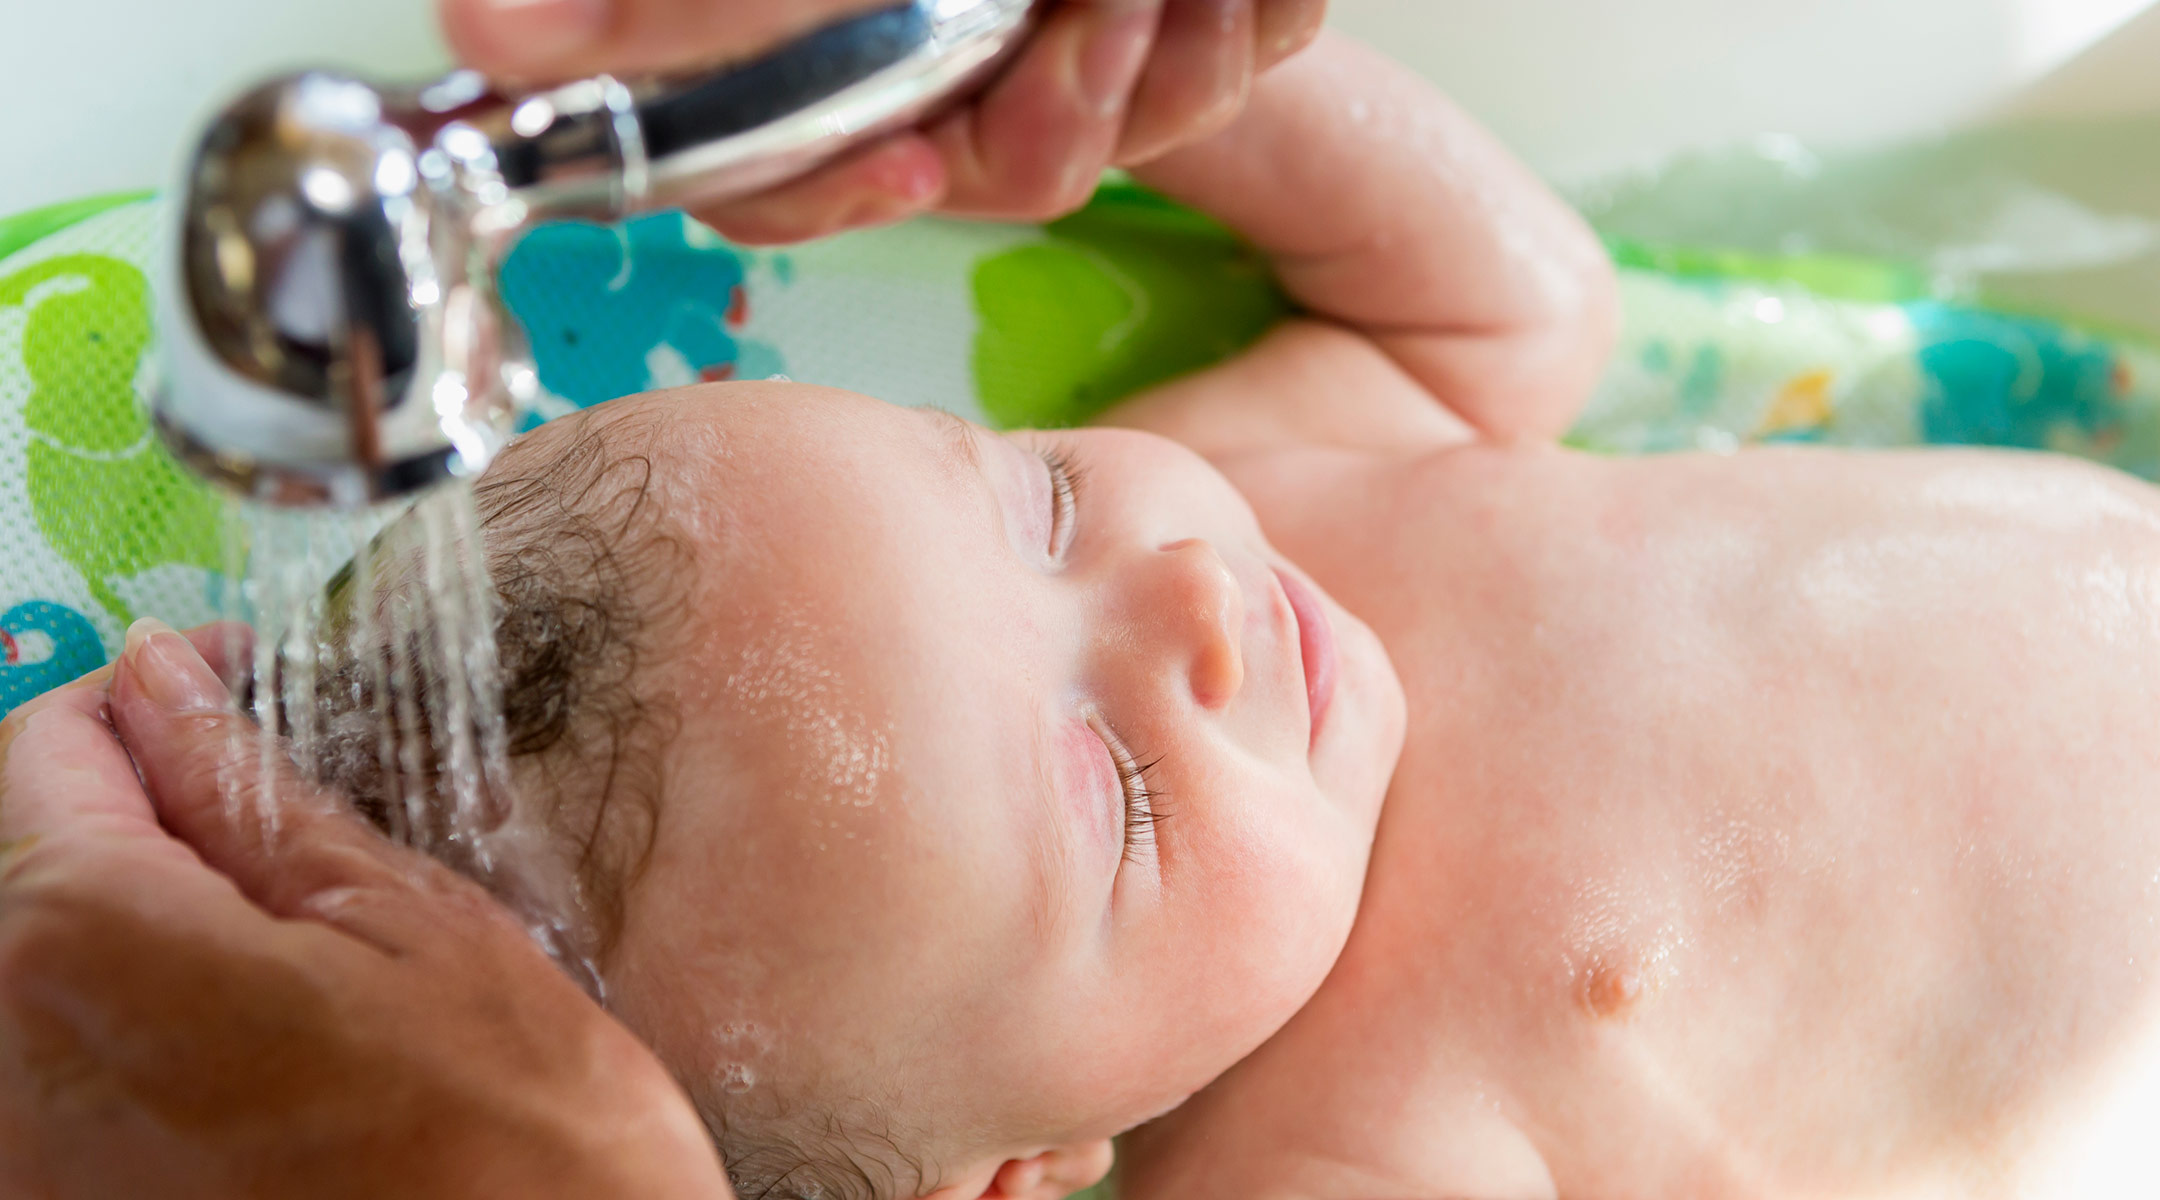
250, 815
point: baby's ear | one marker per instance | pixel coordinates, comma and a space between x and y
1052, 1175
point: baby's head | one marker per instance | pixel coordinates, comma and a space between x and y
955, 799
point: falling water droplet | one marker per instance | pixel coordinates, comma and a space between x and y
375, 656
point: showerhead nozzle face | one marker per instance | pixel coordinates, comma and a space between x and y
326, 341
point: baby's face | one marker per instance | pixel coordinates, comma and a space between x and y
1018, 783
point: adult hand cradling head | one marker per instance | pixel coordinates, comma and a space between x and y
185, 1012
1102, 83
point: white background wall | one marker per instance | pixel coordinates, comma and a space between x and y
1590, 84
102, 92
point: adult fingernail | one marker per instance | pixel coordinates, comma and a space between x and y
1110, 62
538, 33
171, 673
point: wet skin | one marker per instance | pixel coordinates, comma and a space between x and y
1773, 824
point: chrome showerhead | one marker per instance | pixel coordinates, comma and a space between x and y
333, 331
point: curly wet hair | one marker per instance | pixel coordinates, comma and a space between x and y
583, 565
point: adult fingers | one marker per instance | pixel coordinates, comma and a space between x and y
1284, 27
291, 848
247, 814
60, 765
228, 646
74, 818
1033, 146
60, 762
82, 839
564, 39
1196, 81
120, 957
892, 180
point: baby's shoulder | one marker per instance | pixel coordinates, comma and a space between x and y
2047, 490
2063, 524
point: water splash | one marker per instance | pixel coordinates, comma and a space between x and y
374, 669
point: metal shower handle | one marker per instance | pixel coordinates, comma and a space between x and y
601, 145
332, 327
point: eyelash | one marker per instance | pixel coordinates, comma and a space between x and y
1066, 477
1142, 816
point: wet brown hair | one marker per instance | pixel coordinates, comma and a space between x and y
583, 564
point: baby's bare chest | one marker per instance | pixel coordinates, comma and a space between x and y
1808, 780
1796, 624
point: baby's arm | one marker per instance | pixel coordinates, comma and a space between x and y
1387, 210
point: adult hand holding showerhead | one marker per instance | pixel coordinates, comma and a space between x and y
182, 1014
1102, 83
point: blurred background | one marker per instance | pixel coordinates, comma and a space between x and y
1577, 86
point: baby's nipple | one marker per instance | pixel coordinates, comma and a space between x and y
1612, 991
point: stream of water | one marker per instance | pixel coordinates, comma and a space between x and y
374, 670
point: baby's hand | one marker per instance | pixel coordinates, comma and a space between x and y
1387, 210
1103, 82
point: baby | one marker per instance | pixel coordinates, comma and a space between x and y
1320, 755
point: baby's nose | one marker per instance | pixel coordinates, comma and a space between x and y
1202, 606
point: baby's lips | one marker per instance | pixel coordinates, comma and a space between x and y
1316, 648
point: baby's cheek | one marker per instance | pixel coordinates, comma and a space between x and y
1280, 894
